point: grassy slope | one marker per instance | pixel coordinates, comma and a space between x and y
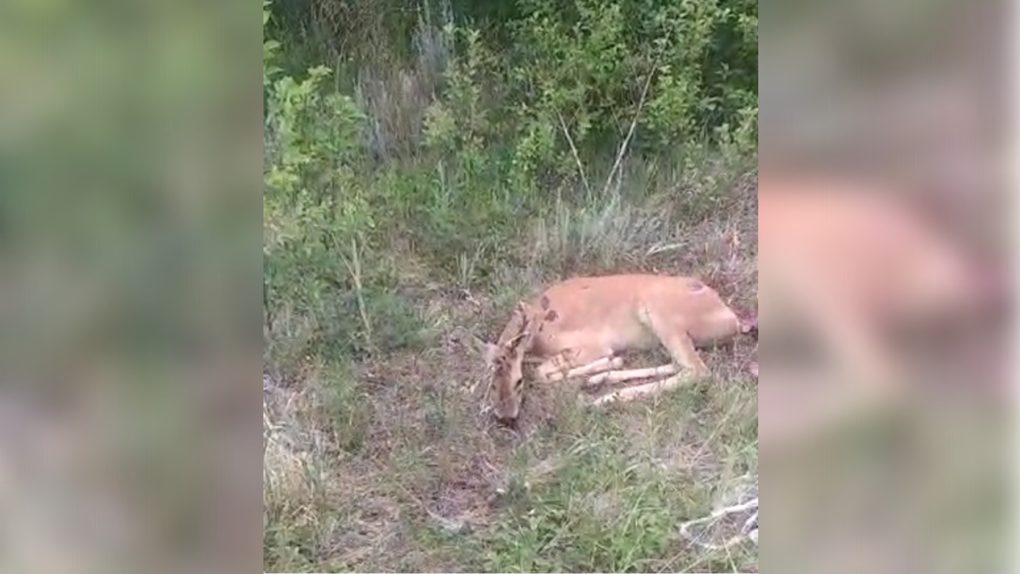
387, 465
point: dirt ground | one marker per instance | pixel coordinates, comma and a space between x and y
389, 463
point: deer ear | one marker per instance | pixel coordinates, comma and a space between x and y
487, 350
525, 310
490, 352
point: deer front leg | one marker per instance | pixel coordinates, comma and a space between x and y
559, 368
655, 387
603, 366
631, 393
621, 376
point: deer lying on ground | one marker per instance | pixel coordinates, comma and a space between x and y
579, 327
860, 265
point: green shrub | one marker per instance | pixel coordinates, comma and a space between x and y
528, 115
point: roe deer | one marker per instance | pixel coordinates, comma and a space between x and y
578, 327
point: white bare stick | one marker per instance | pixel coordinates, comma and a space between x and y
620, 376
603, 364
749, 529
630, 133
632, 393
573, 150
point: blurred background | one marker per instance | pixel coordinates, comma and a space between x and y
129, 209
884, 232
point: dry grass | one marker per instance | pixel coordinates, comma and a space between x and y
387, 464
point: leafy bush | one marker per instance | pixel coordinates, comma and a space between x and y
523, 114
314, 208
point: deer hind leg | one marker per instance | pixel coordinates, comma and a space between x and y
849, 336
681, 348
676, 379
675, 339
859, 352
598, 368
604, 370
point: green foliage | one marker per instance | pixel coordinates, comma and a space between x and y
580, 64
580, 74
312, 200
530, 113
597, 515
314, 208
270, 49
457, 126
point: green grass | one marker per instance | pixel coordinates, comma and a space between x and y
378, 459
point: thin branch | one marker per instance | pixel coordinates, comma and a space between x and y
354, 269
630, 132
749, 528
577, 157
